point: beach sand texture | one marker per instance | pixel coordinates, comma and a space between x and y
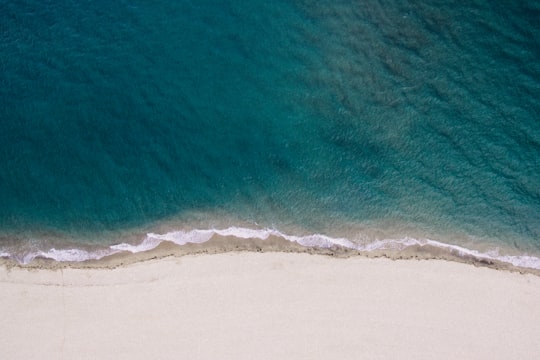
270, 306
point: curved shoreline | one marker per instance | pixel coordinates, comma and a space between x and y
223, 241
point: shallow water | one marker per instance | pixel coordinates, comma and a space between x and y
341, 118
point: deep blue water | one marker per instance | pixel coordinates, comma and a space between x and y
312, 115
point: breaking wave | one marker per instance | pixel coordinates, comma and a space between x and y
198, 236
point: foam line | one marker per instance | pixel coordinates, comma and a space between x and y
198, 236
62, 255
322, 241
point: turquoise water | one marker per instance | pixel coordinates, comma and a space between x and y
340, 118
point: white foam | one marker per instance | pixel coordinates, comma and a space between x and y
147, 244
318, 240
198, 236
63, 255
74, 254
525, 261
389, 244
321, 241
183, 237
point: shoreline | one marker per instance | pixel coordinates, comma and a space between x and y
273, 244
241, 305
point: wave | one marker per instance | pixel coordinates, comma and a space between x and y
198, 236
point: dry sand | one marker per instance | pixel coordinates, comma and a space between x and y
270, 306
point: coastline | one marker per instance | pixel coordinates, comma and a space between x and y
219, 244
269, 305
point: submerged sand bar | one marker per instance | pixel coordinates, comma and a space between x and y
270, 306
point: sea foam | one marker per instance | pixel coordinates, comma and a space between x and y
198, 236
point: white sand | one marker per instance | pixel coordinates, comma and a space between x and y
270, 306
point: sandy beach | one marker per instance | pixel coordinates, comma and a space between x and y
270, 306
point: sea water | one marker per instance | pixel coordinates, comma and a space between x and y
349, 123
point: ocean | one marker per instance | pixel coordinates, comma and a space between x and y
364, 124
